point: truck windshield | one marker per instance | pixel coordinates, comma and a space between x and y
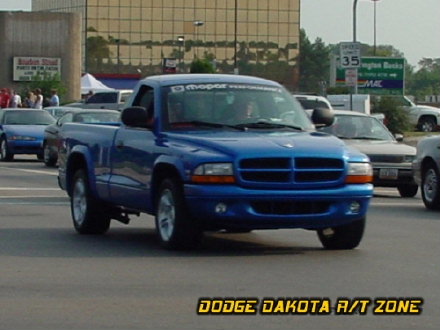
230, 104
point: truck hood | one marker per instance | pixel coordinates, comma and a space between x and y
260, 144
372, 147
36, 131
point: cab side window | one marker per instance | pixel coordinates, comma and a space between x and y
145, 98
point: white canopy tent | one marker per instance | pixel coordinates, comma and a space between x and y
90, 83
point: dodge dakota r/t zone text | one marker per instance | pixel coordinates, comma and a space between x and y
215, 152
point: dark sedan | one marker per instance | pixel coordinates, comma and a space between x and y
52, 132
21, 132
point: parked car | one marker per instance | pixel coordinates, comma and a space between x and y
310, 102
52, 132
57, 112
21, 132
426, 168
391, 160
113, 100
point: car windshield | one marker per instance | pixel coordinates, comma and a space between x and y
24, 117
231, 105
358, 127
103, 117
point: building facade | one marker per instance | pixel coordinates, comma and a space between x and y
258, 37
36, 44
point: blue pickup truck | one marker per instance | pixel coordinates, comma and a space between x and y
215, 152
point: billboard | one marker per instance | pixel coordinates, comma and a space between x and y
377, 76
27, 68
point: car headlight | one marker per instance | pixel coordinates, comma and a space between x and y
213, 173
409, 159
359, 173
21, 138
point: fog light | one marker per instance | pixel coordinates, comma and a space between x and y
354, 207
221, 208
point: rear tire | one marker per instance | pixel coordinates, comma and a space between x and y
431, 187
174, 227
5, 155
408, 190
342, 237
88, 215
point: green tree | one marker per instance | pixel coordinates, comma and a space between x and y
202, 66
314, 63
396, 117
97, 51
46, 83
425, 81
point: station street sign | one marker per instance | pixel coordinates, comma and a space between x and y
377, 76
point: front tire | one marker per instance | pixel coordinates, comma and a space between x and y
343, 237
427, 124
431, 187
408, 190
5, 155
48, 160
174, 227
87, 213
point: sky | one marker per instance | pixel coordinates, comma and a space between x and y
411, 26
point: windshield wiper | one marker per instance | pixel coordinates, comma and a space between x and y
366, 138
208, 124
266, 124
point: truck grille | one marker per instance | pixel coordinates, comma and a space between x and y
387, 158
288, 170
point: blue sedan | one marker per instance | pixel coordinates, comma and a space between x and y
22, 131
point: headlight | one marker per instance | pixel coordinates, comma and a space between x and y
21, 138
359, 173
409, 159
214, 173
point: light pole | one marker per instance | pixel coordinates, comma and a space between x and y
374, 47
118, 43
181, 41
197, 24
354, 40
235, 37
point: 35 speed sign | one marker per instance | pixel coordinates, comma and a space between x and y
350, 54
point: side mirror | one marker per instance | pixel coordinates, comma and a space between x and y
399, 137
137, 117
322, 117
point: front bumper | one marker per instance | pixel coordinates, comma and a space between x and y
404, 175
272, 209
25, 147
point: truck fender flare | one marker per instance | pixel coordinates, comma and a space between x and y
79, 158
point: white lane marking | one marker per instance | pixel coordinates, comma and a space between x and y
48, 196
30, 171
29, 189
34, 203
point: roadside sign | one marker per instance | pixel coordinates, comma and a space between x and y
376, 76
350, 54
351, 77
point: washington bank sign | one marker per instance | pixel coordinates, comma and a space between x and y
28, 68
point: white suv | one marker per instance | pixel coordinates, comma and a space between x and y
424, 117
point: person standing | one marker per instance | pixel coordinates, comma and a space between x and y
54, 100
38, 99
5, 98
15, 100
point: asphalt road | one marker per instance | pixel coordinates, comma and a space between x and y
53, 278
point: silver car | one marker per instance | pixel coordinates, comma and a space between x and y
426, 168
391, 160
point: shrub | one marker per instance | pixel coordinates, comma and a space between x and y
396, 118
201, 66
